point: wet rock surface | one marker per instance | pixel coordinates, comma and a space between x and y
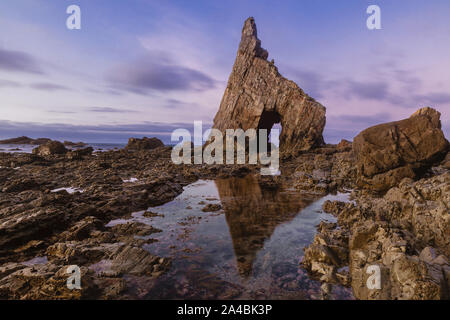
404, 233
53, 213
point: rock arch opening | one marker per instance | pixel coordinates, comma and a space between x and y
270, 120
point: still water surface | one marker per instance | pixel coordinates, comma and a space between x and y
250, 248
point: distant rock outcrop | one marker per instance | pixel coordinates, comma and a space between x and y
71, 144
257, 97
144, 143
25, 140
389, 152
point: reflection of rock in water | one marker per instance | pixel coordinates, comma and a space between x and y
253, 209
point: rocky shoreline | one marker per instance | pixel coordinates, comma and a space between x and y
404, 230
55, 203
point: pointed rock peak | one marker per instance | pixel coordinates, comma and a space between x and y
250, 44
249, 29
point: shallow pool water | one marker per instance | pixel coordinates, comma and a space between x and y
250, 248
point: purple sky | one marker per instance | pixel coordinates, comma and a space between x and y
137, 65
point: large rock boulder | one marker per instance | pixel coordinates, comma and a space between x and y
257, 97
144, 143
389, 152
50, 148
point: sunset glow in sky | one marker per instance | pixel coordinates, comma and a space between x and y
137, 66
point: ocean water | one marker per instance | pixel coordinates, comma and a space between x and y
26, 148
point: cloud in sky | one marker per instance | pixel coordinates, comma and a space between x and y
18, 61
109, 110
319, 85
156, 73
9, 84
346, 126
394, 87
62, 111
46, 86
434, 98
176, 104
314, 83
363, 120
375, 90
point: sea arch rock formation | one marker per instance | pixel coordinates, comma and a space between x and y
258, 96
